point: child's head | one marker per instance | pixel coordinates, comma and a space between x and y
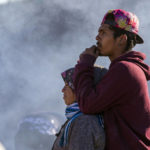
68, 89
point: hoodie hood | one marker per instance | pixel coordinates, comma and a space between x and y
136, 58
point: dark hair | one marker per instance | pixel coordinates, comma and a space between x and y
131, 37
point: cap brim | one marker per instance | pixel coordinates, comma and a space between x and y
139, 40
63, 76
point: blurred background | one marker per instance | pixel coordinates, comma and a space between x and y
41, 38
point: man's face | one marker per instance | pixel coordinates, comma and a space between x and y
105, 41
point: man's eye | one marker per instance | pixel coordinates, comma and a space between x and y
103, 32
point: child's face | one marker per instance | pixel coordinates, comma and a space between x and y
69, 96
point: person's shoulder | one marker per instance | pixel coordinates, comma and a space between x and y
123, 66
85, 120
128, 71
128, 67
87, 124
87, 117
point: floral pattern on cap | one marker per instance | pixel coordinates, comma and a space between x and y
123, 20
68, 77
99, 72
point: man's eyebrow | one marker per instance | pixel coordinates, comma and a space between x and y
102, 29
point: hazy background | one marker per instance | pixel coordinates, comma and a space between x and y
41, 38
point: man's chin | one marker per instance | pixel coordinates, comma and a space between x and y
100, 52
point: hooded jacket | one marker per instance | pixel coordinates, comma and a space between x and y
122, 95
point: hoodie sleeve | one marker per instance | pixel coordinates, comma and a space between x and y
107, 93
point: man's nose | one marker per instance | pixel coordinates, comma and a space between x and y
63, 89
97, 37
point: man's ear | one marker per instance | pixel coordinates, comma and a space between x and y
123, 39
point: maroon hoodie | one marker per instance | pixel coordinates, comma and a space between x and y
123, 97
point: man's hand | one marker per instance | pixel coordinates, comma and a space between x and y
90, 51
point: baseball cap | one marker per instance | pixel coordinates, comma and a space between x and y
124, 20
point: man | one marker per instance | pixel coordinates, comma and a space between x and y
123, 92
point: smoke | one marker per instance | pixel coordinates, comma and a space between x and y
39, 40
37, 131
2, 147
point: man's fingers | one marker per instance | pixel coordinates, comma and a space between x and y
91, 51
97, 52
92, 48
